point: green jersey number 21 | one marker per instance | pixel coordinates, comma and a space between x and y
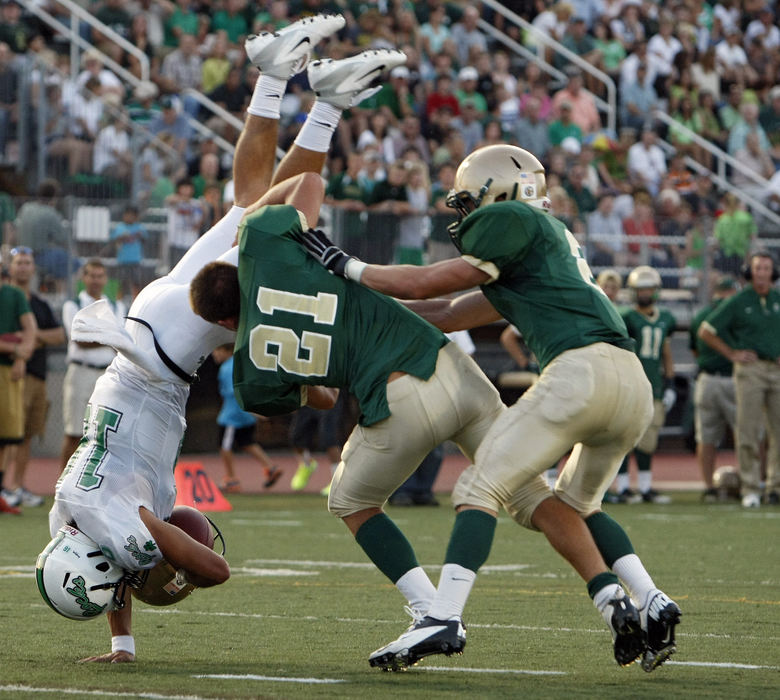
306, 354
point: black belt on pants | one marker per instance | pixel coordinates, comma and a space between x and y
87, 364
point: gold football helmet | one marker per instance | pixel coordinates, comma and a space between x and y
494, 174
728, 482
644, 277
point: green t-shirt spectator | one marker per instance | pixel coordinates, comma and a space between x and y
558, 131
235, 25
475, 98
388, 97
187, 22
584, 199
13, 305
342, 186
612, 52
735, 231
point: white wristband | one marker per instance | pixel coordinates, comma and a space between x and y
354, 269
123, 642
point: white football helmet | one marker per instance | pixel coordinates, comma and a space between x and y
644, 277
497, 173
76, 579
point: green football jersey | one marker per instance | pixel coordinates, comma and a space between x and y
301, 325
650, 332
709, 360
541, 284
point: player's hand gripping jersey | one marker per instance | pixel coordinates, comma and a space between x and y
540, 281
300, 325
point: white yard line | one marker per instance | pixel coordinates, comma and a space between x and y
98, 693
720, 664
276, 679
516, 671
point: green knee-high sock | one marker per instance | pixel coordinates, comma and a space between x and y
386, 546
609, 536
471, 539
643, 460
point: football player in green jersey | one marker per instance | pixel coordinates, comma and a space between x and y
592, 398
651, 328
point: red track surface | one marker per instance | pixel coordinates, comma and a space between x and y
671, 471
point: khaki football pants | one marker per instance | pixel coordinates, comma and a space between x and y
456, 403
594, 401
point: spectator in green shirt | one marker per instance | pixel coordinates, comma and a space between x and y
735, 230
182, 20
467, 90
564, 127
231, 20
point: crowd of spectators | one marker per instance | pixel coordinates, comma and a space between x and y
713, 67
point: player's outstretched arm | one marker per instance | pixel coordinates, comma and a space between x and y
203, 566
462, 313
400, 281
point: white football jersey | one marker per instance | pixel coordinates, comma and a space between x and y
135, 422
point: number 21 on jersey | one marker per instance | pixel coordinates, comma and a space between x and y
307, 354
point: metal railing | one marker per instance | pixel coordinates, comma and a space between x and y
722, 160
77, 42
77, 14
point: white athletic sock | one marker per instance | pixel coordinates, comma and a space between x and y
267, 97
602, 597
622, 482
455, 585
417, 588
317, 130
645, 481
630, 570
333, 467
306, 457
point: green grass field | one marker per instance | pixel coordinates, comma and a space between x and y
304, 608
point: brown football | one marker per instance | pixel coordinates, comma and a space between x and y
194, 523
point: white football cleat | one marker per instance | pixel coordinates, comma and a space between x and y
425, 637
347, 81
284, 53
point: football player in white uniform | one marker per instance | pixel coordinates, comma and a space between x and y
118, 489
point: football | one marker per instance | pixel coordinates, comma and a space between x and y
194, 523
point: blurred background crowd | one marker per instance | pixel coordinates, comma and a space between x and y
658, 123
